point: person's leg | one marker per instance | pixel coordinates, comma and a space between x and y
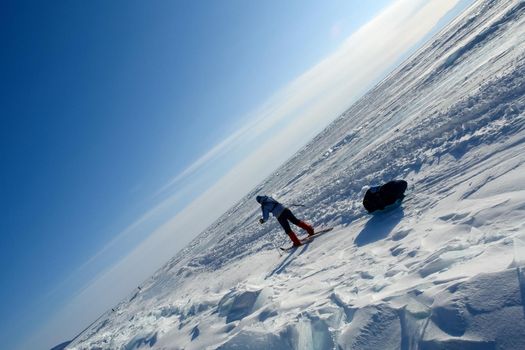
308, 228
283, 220
292, 217
293, 237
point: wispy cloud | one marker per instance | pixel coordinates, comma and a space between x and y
329, 87
293, 115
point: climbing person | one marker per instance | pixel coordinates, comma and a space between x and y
283, 215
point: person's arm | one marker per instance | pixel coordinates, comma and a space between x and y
265, 213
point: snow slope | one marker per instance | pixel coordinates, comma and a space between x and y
445, 270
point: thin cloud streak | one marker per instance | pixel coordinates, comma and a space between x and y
261, 121
304, 108
359, 61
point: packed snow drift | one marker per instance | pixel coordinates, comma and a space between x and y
444, 270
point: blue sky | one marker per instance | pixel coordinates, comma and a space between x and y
125, 122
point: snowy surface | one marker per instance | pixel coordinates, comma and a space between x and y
445, 270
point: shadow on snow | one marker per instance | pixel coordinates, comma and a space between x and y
379, 226
291, 255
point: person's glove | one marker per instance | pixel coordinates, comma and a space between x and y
261, 221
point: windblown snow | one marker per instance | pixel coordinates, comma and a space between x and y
445, 270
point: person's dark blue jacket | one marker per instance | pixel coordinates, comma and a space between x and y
269, 205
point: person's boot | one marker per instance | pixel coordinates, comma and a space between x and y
306, 227
293, 237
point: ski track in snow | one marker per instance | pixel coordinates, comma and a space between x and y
445, 270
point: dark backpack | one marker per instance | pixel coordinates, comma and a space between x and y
379, 197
